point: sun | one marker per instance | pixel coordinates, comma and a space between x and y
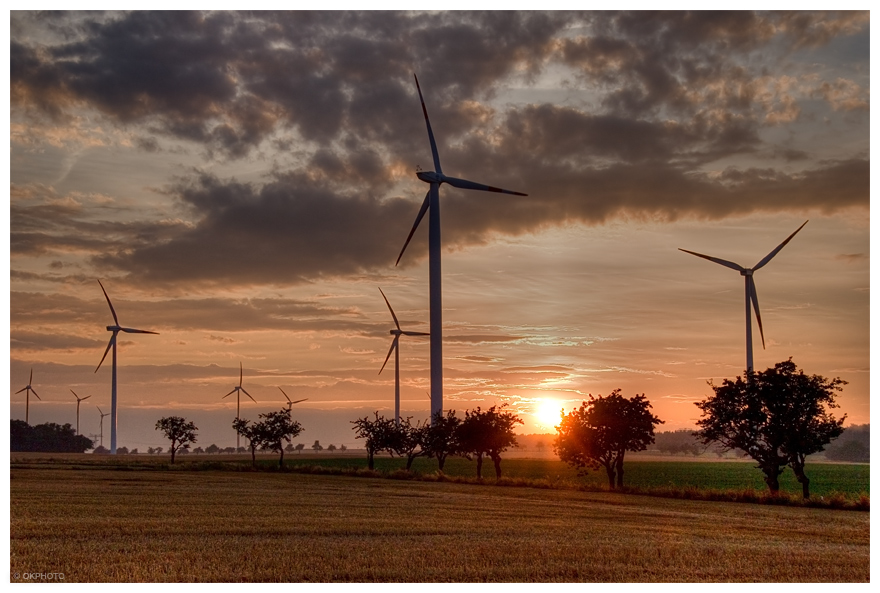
547, 413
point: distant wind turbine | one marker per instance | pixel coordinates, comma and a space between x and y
237, 391
290, 403
27, 397
78, 399
102, 424
395, 346
115, 329
751, 293
432, 200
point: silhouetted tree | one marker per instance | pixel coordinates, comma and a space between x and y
101, 450
441, 437
230, 450
159, 450
134, 451
602, 430
331, 448
248, 431
122, 450
777, 416
378, 435
299, 448
408, 441
488, 432
177, 430
47, 438
198, 450
342, 448
274, 429
317, 447
212, 449
289, 448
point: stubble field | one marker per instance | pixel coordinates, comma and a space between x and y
98, 525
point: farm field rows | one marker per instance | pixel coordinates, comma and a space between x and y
98, 525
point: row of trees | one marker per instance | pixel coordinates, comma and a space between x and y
46, 438
480, 434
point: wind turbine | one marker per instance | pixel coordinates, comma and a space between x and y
27, 397
395, 346
751, 293
237, 391
102, 424
78, 399
290, 403
115, 329
435, 179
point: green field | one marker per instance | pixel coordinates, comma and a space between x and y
825, 478
105, 525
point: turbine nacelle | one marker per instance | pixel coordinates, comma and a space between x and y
747, 272
429, 177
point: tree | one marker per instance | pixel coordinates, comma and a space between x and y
317, 447
778, 416
177, 430
678, 441
134, 451
198, 450
378, 435
853, 445
159, 450
489, 433
276, 428
289, 448
408, 441
441, 437
299, 448
212, 449
602, 430
47, 438
248, 431
331, 448
122, 450
342, 448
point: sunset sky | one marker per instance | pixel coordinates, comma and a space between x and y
243, 183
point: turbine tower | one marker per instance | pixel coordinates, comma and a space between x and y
395, 346
115, 329
237, 391
78, 399
435, 179
27, 397
290, 403
751, 293
102, 424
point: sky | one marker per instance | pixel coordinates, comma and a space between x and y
242, 183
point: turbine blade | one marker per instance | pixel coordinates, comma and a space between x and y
465, 184
416, 333
228, 394
130, 330
390, 309
717, 260
430, 132
112, 310
240, 374
299, 400
99, 411
85, 398
110, 343
771, 255
754, 296
35, 393
390, 350
20, 390
421, 214
285, 395
31, 380
75, 395
248, 394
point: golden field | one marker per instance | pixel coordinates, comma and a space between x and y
99, 524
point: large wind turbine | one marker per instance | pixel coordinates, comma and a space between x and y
395, 346
27, 397
435, 179
290, 403
102, 424
78, 399
115, 329
751, 293
237, 391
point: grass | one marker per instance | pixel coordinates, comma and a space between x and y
179, 526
